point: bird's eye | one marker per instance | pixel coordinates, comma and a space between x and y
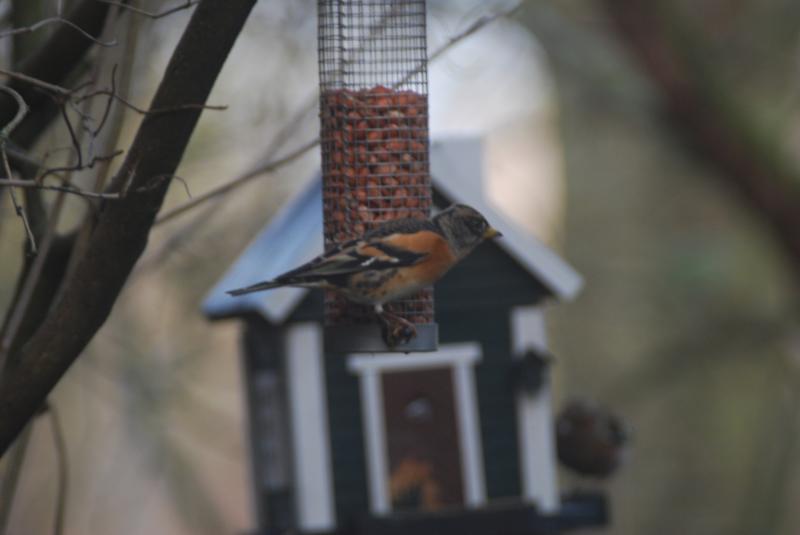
476, 226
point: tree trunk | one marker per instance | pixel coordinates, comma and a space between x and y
121, 228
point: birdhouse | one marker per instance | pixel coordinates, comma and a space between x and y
449, 441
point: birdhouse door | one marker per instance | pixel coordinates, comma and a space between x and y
421, 429
424, 454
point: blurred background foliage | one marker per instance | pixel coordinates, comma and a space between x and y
688, 325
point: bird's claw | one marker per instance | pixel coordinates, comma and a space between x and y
398, 334
396, 330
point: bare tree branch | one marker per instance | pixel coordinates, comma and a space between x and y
21, 213
51, 20
22, 77
112, 95
478, 24
124, 56
76, 146
51, 63
73, 168
22, 111
150, 14
238, 181
121, 229
33, 184
107, 109
29, 284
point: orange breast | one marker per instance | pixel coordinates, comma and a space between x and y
430, 269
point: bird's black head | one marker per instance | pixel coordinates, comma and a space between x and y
464, 228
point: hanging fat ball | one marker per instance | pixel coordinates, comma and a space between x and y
590, 440
392, 261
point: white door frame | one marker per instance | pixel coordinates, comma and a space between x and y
535, 416
311, 456
461, 359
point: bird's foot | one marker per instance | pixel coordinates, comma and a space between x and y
398, 333
396, 330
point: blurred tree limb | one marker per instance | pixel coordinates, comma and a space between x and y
52, 62
708, 113
120, 229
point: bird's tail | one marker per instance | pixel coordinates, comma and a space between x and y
266, 285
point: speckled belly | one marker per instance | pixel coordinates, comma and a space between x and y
382, 286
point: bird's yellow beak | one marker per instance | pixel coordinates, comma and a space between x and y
491, 233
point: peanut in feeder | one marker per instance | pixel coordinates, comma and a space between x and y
374, 142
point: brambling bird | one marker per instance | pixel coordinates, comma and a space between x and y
390, 262
590, 439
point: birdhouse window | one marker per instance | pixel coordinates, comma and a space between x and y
421, 429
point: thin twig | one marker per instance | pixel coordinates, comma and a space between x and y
271, 165
62, 493
221, 190
73, 138
154, 111
73, 168
37, 82
64, 92
150, 14
478, 24
107, 109
174, 242
185, 185
156, 181
22, 110
19, 155
18, 208
8, 488
106, 136
120, 86
17, 314
32, 184
51, 20
19, 310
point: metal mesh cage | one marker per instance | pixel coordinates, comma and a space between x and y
374, 129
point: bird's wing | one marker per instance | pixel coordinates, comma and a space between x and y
373, 253
395, 244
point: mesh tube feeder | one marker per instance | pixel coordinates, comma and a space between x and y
375, 149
